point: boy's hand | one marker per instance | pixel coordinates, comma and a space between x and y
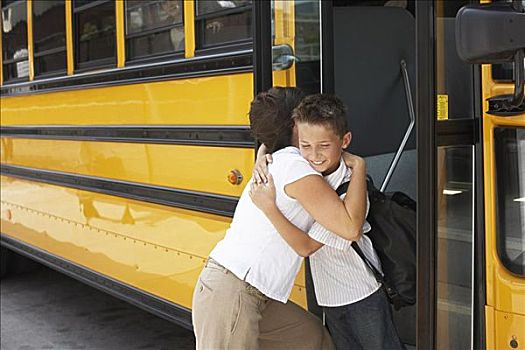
263, 195
352, 161
260, 169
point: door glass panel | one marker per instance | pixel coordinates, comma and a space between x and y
454, 78
509, 151
454, 247
307, 46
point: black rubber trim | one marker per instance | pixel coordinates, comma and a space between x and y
146, 301
179, 69
192, 200
220, 136
457, 132
426, 307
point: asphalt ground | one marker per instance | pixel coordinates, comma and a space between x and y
44, 309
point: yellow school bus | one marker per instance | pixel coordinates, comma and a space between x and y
125, 142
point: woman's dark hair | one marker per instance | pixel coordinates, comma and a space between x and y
271, 116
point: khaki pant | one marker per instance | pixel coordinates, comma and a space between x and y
231, 314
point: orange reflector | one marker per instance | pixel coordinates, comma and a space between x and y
235, 177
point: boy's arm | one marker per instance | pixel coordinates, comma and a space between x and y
356, 194
263, 196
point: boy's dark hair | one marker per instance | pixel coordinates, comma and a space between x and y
323, 109
271, 116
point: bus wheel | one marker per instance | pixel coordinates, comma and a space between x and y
3, 261
12, 263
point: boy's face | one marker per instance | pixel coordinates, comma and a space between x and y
321, 146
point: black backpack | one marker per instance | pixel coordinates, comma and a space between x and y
392, 217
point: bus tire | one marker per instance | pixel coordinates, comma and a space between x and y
14, 264
4, 252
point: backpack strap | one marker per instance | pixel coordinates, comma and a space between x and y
378, 276
342, 188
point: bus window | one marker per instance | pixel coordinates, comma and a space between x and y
94, 29
510, 185
14, 37
153, 28
221, 22
49, 36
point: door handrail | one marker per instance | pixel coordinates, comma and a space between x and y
412, 114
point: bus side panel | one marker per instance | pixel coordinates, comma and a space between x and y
197, 168
154, 248
217, 100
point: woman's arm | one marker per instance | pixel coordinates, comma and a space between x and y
343, 217
260, 168
263, 196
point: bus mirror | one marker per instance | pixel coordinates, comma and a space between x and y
490, 33
495, 33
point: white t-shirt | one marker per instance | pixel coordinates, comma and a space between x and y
252, 249
340, 276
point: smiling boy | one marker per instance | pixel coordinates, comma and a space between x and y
357, 311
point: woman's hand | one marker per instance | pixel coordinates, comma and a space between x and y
260, 169
352, 161
263, 195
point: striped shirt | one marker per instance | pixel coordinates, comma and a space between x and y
340, 276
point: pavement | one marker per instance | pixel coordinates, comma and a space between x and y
44, 309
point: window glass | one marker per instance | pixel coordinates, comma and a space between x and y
510, 194
49, 25
95, 34
210, 6
220, 22
307, 46
455, 199
14, 39
146, 15
224, 29
154, 27
454, 78
49, 36
14, 31
50, 63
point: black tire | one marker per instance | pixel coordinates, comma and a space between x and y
13, 263
4, 252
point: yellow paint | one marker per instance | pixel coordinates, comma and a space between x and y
30, 46
196, 168
189, 28
69, 38
120, 32
219, 100
158, 249
490, 329
509, 328
505, 292
442, 107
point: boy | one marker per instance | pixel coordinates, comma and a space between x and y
357, 311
